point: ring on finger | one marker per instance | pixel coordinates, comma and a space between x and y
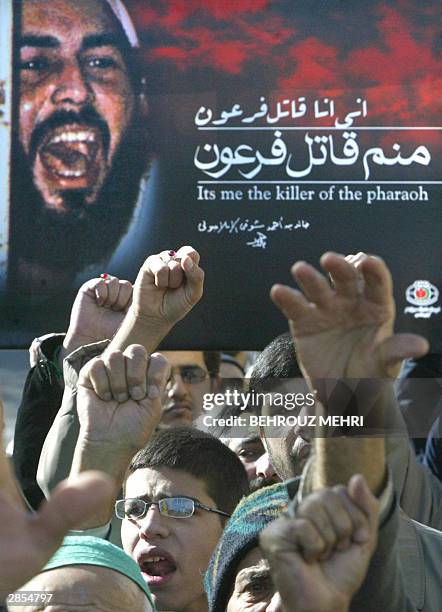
170, 256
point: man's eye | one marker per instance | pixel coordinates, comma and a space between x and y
258, 587
38, 63
193, 375
102, 63
134, 508
250, 455
190, 377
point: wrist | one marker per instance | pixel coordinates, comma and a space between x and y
148, 322
351, 406
113, 450
139, 328
73, 341
101, 455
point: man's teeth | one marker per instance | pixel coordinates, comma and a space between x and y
73, 137
69, 173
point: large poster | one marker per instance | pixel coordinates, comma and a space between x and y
259, 131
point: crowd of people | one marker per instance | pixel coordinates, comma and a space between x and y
160, 512
318, 489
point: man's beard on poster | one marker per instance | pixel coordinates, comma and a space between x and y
88, 232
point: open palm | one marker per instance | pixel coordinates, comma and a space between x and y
345, 331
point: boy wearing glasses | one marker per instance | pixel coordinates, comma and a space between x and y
178, 490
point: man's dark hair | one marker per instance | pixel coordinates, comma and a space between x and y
202, 456
277, 360
212, 359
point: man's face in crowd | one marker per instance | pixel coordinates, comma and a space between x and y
288, 447
172, 553
189, 381
86, 587
253, 590
248, 450
76, 98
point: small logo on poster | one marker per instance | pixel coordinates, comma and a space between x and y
422, 294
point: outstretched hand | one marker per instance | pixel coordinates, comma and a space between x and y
27, 541
319, 558
345, 330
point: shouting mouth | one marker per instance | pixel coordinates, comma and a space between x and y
70, 157
157, 568
71, 152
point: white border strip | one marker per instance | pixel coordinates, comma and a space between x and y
6, 54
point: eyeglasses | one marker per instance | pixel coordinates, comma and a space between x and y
172, 507
191, 375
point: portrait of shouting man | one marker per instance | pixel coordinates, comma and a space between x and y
81, 145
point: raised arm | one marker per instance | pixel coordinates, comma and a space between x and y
118, 408
97, 312
27, 541
344, 334
319, 558
168, 286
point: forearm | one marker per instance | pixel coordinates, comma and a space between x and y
337, 459
8, 483
139, 329
105, 459
351, 450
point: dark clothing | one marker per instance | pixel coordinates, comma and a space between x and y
433, 449
418, 391
41, 400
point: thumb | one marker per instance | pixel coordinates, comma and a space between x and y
72, 502
194, 278
359, 492
159, 371
399, 347
84, 377
280, 545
